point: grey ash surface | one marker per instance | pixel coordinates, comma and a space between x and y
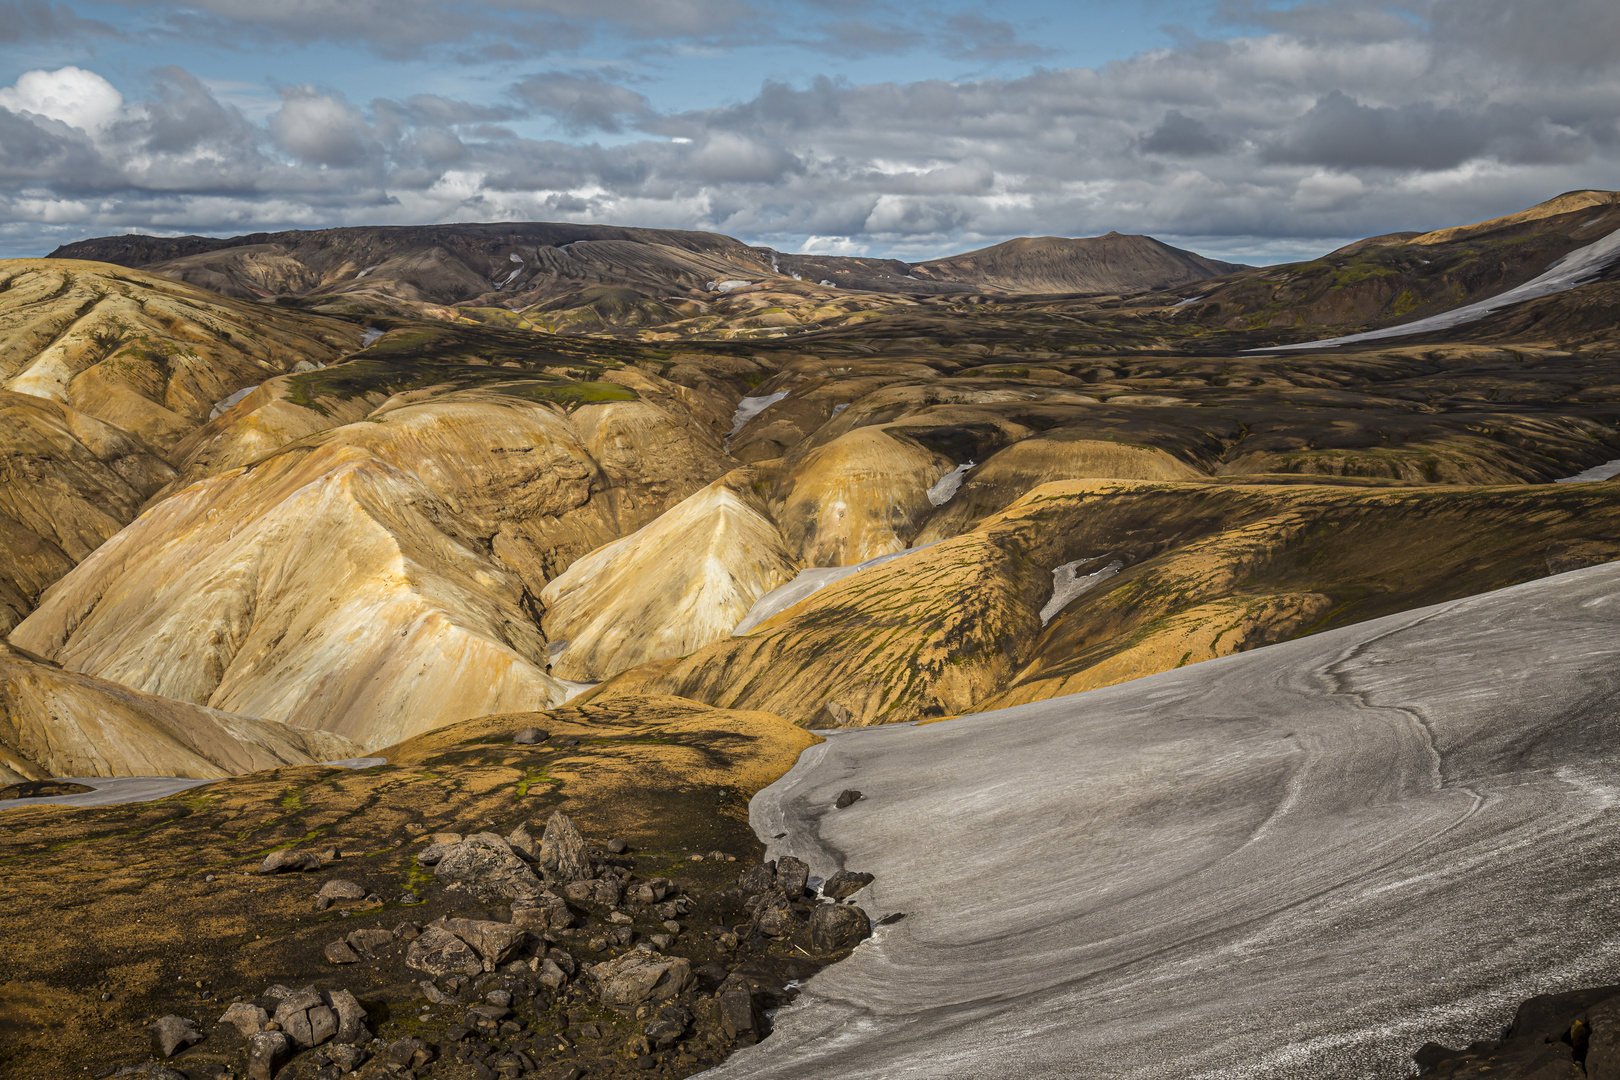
1304, 861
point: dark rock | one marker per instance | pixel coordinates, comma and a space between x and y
758, 879
562, 851
410, 1052
406, 931
322, 1024
891, 918
347, 1058
529, 736
171, 1034
287, 861
265, 1051
1603, 1040
34, 789
663, 1033
774, 917
736, 1012
617, 846
433, 853
838, 926
791, 876
847, 798
844, 884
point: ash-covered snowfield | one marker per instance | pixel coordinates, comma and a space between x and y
1303, 861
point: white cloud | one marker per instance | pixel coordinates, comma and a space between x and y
78, 98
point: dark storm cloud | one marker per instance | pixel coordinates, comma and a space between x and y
1179, 135
1341, 132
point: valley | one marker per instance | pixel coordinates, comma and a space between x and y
1157, 613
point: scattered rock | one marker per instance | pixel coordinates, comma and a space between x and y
486, 864
245, 1017
838, 926
437, 996
791, 876
341, 889
34, 789
351, 1017
846, 798
774, 916
339, 952
637, 978
543, 913
173, 1033
844, 884
736, 1012
616, 846
562, 851
439, 953
367, 942
288, 861
265, 1052
494, 942
412, 1053
758, 879
523, 845
551, 974
529, 736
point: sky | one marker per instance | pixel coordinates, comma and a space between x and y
1259, 131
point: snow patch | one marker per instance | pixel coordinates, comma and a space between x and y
838, 409
1576, 268
1596, 472
727, 286
806, 583
515, 257
829, 284
1068, 583
1189, 300
226, 402
369, 335
750, 407
948, 485
366, 271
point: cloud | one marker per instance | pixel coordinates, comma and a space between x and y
1322, 122
582, 102
78, 98
971, 36
37, 21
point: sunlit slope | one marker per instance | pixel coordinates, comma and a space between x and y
144, 352
377, 579
1184, 572
65, 724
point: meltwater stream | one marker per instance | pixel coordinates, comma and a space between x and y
1302, 861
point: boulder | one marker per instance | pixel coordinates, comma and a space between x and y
367, 942
529, 736
792, 875
494, 942
410, 1053
844, 884
838, 926
758, 879
486, 865
340, 889
523, 845
439, 953
245, 1017
562, 851
736, 1012
340, 952
551, 974
171, 1034
265, 1051
351, 1018
1603, 1040
627, 982
288, 861
542, 914
847, 798
774, 916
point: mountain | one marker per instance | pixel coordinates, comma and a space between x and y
1056, 264
554, 266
